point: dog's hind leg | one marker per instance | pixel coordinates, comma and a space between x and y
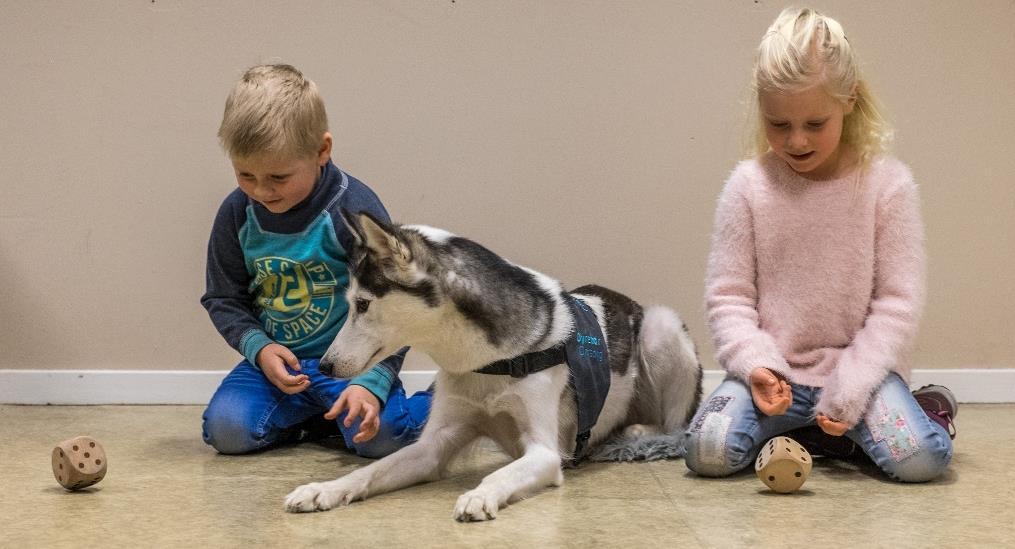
671, 362
669, 389
538, 468
423, 461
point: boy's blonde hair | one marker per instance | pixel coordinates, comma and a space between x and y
802, 48
273, 109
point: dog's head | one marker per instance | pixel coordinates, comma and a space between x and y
391, 294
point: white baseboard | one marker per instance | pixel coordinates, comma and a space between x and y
73, 387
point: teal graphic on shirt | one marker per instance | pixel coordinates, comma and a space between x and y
295, 297
297, 282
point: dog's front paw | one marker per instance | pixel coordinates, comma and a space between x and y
317, 496
476, 505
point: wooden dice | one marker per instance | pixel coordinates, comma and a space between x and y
783, 465
79, 462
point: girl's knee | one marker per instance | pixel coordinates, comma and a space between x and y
904, 443
929, 462
713, 454
713, 447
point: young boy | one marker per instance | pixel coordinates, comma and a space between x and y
276, 277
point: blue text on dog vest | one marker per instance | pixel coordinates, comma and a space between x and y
586, 344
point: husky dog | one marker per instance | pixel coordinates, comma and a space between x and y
468, 308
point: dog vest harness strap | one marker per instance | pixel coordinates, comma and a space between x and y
529, 363
588, 364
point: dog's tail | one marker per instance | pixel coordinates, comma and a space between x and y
668, 392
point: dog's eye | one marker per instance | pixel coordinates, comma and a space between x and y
362, 305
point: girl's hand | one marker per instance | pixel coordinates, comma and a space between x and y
361, 403
771, 393
831, 426
273, 359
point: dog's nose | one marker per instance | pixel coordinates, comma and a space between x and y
326, 367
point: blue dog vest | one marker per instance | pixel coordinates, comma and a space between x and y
588, 364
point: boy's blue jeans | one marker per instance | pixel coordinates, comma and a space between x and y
728, 431
248, 413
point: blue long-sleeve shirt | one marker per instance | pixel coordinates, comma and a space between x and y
282, 277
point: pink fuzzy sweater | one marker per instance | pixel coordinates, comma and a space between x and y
820, 281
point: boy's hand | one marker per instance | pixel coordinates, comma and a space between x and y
831, 426
771, 393
361, 403
272, 359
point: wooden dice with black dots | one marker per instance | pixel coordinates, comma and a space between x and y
79, 462
783, 465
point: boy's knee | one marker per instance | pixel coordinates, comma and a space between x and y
398, 430
228, 435
377, 447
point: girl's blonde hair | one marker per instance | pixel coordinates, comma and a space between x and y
802, 48
273, 109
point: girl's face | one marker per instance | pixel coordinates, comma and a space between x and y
803, 128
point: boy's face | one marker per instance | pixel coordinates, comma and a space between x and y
804, 128
279, 183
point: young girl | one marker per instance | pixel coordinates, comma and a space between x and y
816, 276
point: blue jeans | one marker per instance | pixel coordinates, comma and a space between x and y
247, 413
728, 431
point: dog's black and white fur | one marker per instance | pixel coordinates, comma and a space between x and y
466, 307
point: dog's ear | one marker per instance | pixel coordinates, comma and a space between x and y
382, 241
350, 222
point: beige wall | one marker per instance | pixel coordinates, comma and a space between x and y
587, 140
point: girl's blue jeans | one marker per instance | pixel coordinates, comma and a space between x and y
728, 431
247, 413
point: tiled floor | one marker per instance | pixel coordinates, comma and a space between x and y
165, 488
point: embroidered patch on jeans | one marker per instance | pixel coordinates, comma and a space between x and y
713, 406
891, 428
712, 444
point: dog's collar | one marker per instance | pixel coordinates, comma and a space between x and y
529, 363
